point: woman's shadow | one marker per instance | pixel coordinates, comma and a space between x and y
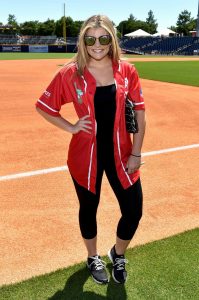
73, 289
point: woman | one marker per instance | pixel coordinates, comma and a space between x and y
97, 83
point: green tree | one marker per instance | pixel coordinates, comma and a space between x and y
133, 24
151, 23
185, 23
59, 26
127, 26
13, 22
29, 28
75, 28
193, 24
131, 18
46, 28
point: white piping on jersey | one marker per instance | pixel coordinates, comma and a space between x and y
118, 145
90, 165
115, 83
95, 127
44, 104
89, 111
138, 103
85, 84
119, 66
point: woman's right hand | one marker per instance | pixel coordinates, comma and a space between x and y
83, 124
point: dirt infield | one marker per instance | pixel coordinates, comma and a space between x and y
39, 214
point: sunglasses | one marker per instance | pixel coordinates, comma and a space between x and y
103, 39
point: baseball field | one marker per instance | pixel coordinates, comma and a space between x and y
40, 237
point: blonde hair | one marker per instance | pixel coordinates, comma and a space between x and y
96, 21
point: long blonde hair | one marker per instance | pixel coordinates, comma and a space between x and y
96, 21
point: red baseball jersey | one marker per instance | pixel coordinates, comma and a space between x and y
67, 87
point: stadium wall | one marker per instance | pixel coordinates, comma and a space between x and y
38, 48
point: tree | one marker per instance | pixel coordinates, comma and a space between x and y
13, 22
132, 18
193, 24
59, 26
29, 28
185, 23
46, 28
151, 22
127, 26
174, 28
75, 29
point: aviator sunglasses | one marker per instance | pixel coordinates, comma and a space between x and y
103, 39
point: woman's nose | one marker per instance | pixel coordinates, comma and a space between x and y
97, 43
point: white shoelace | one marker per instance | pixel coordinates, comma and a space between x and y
120, 263
98, 263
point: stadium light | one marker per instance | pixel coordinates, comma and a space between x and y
64, 28
197, 28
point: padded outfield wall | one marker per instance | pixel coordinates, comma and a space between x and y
38, 48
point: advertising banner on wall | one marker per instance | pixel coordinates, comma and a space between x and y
11, 48
38, 48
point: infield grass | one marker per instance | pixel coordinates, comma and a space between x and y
165, 269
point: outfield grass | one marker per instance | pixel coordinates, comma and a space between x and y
182, 72
165, 269
24, 55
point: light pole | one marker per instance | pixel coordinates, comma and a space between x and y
197, 28
64, 27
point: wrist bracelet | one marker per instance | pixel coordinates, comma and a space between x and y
136, 155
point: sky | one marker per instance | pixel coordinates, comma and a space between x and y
165, 12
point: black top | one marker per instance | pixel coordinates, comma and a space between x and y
105, 108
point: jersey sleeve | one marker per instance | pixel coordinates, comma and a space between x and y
135, 90
56, 95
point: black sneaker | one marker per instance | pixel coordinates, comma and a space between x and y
119, 273
97, 269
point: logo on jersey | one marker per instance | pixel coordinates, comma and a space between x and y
48, 94
126, 82
79, 94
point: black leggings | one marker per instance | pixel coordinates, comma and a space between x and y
130, 202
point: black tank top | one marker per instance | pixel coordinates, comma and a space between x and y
105, 108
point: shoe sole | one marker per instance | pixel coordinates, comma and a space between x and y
99, 282
111, 259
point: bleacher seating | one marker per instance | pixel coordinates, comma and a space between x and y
191, 49
8, 39
160, 45
36, 40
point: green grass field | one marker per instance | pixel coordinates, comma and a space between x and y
14, 56
24, 55
181, 72
165, 269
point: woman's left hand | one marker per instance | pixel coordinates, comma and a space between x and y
133, 164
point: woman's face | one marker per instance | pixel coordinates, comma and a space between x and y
98, 51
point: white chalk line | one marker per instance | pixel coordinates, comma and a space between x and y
65, 168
